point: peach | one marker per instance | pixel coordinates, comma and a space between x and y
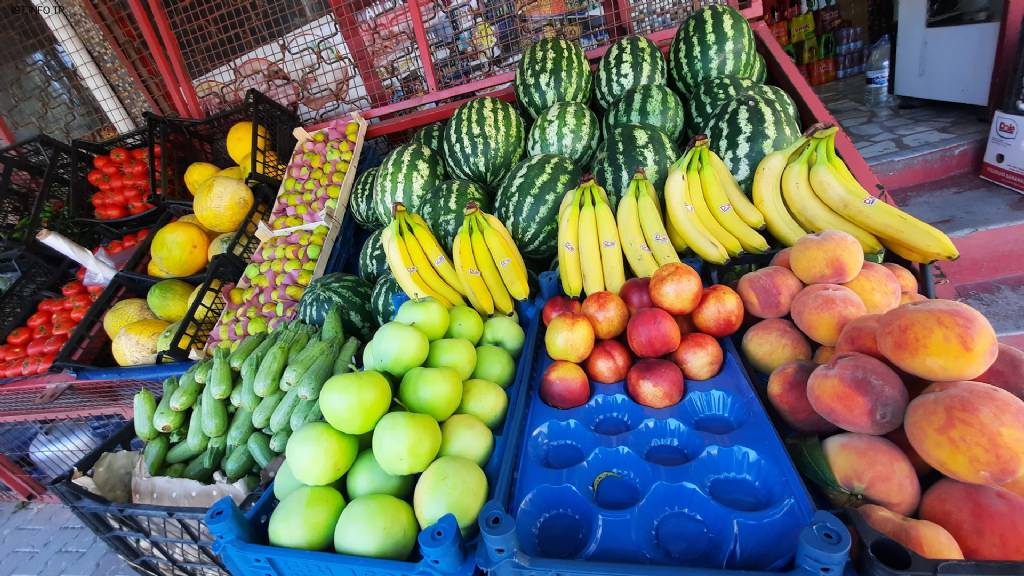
773, 342
899, 438
906, 278
911, 297
787, 393
1007, 372
828, 257
781, 258
719, 313
1016, 486
569, 337
607, 313
858, 393
877, 287
926, 538
769, 292
987, 522
685, 323
874, 469
823, 354
859, 336
938, 340
970, 431
822, 311
676, 288
699, 356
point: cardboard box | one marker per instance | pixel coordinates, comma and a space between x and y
1004, 155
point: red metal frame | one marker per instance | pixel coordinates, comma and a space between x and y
360, 53
170, 43
157, 50
5, 132
422, 44
22, 484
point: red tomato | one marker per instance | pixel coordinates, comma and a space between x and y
116, 212
78, 313
116, 181
46, 361
129, 240
18, 337
94, 291
10, 369
100, 161
62, 322
3, 352
141, 234
115, 246
110, 169
79, 300
54, 343
95, 177
38, 319
42, 331
73, 287
35, 347
51, 304
116, 197
118, 154
136, 168
30, 365
16, 352
140, 153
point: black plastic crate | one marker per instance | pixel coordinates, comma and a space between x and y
82, 154
40, 278
184, 141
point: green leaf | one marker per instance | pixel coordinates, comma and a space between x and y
810, 460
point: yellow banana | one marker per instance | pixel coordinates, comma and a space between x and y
749, 213
465, 266
424, 266
485, 263
682, 216
634, 245
569, 266
700, 206
724, 211
767, 195
402, 267
496, 224
811, 212
678, 242
652, 225
505, 260
435, 253
611, 247
590, 245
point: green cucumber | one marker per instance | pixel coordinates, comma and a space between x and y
238, 463
196, 438
202, 373
220, 375
175, 470
298, 343
313, 380
279, 441
181, 452
178, 434
302, 362
298, 417
253, 361
314, 414
214, 415
259, 447
235, 399
143, 406
268, 377
164, 419
240, 428
283, 412
261, 416
154, 453
332, 328
247, 346
187, 391
343, 363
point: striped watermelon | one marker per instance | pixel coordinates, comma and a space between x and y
714, 41
405, 175
432, 135
360, 202
629, 62
444, 207
567, 129
372, 260
629, 148
711, 94
552, 70
760, 69
779, 95
746, 129
351, 294
527, 202
483, 140
381, 298
652, 105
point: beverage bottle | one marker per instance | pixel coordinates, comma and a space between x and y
876, 74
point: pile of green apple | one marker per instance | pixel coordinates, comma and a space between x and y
405, 440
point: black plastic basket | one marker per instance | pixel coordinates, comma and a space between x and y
40, 278
184, 141
82, 154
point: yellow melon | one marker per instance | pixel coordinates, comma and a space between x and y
125, 312
197, 173
219, 245
235, 172
179, 248
153, 270
221, 204
168, 299
191, 219
136, 343
239, 140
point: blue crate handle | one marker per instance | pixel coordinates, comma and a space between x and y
153, 372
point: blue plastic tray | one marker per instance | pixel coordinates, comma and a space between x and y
240, 537
151, 372
615, 487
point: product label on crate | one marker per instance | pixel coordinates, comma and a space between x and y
1004, 156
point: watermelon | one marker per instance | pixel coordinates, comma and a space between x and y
760, 69
405, 175
431, 135
629, 62
652, 105
360, 202
351, 294
629, 148
567, 129
711, 94
714, 41
527, 202
746, 129
444, 208
780, 96
483, 140
373, 262
382, 297
552, 70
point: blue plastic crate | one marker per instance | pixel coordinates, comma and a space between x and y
613, 487
240, 537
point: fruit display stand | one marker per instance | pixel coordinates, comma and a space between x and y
39, 278
84, 161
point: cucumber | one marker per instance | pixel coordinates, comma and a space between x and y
178, 435
238, 463
143, 406
283, 411
313, 380
240, 428
154, 453
175, 470
332, 328
268, 377
298, 417
314, 414
214, 415
235, 399
298, 344
259, 447
246, 347
164, 419
253, 361
187, 391
220, 375
202, 373
196, 438
293, 373
261, 416
343, 363
180, 453
279, 441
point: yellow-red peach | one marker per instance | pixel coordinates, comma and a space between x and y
787, 393
781, 258
877, 287
859, 336
858, 393
907, 297
906, 278
822, 311
823, 354
829, 257
873, 468
1007, 372
720, 311
926, 538
769, 292
773, 342
987, 522
899, 438
938, 340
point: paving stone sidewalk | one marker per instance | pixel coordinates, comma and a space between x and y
48, 540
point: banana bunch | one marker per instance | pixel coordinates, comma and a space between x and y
645, 241
589, 248
488, 263
417, 260
706, 210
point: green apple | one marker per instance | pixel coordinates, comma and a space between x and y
405, 442
353, 401
366, 477
494, 364
427, 314
464, 322
397, 348
369, 362
504, 332
466, 436
451, 485
284, 481
433, 391
456, 353
306, 518
485, 400
376, 526
318, 454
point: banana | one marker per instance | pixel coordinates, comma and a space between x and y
678, 242
496, 224
767, 195
433, 250
424, 265
652, 225
724, 211
611, 247
897, 229
749, 213
696, 199
811, 212
590, 245
509, 265
465, 266
402, 267
634, 246
569, 266
489, 271
682, 217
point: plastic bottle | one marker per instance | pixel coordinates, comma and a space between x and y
876, 74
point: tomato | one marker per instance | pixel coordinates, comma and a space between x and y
136, 168
35, 347
46, 361
15, 352
129, 240
140, 153
71, 288
100, 161
54, 343
42, 331
78, 313
94, 291
78, 300
3, 352
118, 154
141, 234
51, 304
115, 211
10, 369
115, 197
110, 169
62, 322
115, 246
95, 177
37, 319
116, 181
30, 365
